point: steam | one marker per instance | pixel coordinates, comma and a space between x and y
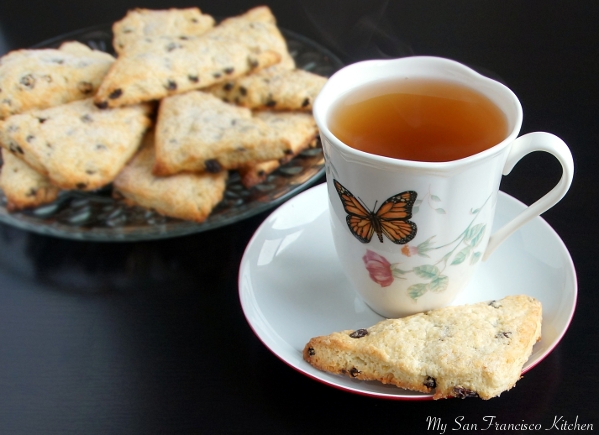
356, 31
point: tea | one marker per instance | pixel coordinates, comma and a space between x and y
418, 119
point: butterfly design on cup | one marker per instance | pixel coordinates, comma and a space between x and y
391, 218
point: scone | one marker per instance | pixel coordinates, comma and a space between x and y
42, 78
23, 186
198, 132
76, 145
188, 196
142, 23
298, 129
273, 88
153, 68
462, 351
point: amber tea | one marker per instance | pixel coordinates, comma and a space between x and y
418, 119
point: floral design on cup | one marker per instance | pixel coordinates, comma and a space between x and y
461, 183
379, 268
464, 248
431, 200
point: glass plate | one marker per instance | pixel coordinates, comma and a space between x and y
97, 216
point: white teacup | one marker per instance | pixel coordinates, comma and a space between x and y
450, 204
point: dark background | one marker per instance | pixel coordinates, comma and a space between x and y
149, 337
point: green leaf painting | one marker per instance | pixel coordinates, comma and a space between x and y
461, 250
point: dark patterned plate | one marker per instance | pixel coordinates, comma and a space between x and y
97, 216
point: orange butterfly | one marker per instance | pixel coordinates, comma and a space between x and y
391, 219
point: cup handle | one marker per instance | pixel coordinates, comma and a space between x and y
522, 146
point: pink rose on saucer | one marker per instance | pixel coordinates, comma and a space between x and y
378, 268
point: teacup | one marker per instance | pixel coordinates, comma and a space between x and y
411, 234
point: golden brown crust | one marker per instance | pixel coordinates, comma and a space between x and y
188, 196
470, 350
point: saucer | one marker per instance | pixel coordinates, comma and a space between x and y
292, 287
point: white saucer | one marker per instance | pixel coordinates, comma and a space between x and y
292, 288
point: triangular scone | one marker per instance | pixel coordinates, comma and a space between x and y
198, 132
257, 173
261, 16
185, 23
76, 145
146, 23
188, 196
462, 351
297, 129
42, 78
23, 186
153, 68
275, 89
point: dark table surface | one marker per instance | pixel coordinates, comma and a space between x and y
149, 337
